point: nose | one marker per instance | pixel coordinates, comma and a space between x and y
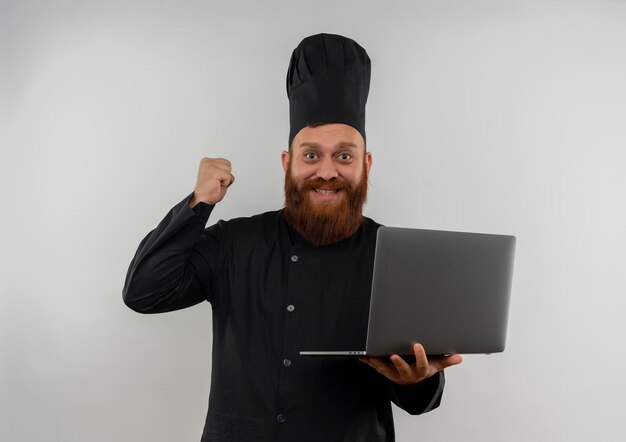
327, 170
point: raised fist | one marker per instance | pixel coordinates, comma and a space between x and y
214, 177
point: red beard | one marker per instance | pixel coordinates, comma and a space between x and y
324, 224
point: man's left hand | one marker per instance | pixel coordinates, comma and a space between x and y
401, 372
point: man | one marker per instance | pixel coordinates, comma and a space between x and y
293, 279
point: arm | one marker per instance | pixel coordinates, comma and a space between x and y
419, 398
168, 271
163, 275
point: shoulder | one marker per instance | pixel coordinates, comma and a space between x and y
369, 223
366, 233
253, 221
255, 226
370, 227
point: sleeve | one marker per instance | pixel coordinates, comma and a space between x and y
168, 272
420, 398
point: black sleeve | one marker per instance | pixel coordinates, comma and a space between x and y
166, 272
420, 398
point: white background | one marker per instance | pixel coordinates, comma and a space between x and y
485, 116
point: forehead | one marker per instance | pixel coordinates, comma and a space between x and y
328, 136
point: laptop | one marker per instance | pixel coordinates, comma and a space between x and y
448, 291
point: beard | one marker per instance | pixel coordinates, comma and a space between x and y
324, 224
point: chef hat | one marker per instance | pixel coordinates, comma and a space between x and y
328, 81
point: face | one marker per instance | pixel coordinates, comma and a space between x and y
326, 182
331, 152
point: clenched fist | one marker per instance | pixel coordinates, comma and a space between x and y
214, 177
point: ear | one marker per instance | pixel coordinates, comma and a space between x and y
284, 158
368, 162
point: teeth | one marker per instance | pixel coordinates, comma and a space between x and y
325, 192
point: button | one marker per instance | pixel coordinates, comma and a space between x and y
281, 418
290, 308
294, 258
286, 362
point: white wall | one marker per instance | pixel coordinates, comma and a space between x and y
488, 116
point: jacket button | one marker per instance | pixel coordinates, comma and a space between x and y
281, 418
294, 258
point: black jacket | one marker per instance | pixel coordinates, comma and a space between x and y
273, 295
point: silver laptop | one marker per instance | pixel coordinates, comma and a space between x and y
448, 291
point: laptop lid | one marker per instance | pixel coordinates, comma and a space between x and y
447, 290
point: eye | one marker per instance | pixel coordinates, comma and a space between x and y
344, 156
310, 156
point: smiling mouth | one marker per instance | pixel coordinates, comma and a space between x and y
326, 191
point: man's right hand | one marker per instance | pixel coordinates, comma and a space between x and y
214, 177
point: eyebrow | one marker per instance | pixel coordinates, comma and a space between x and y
341, 144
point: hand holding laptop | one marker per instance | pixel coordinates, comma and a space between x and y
401, 372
